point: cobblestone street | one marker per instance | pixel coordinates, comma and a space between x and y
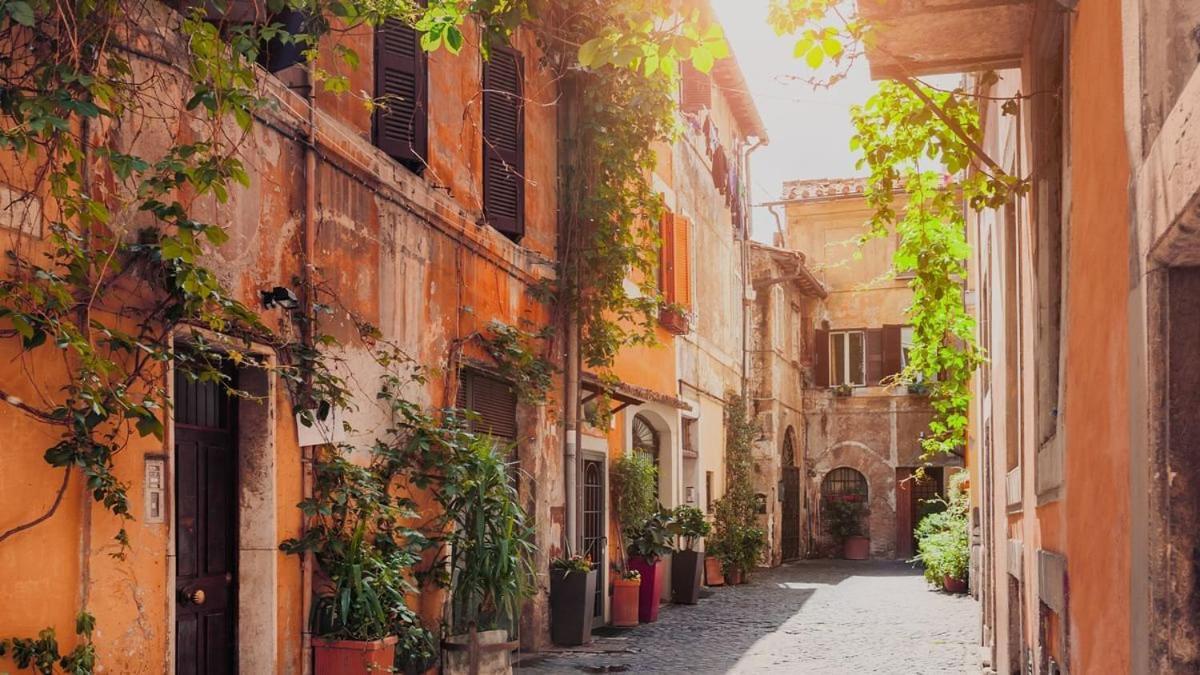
821, 616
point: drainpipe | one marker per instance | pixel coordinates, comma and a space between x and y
567, 149
746, 272
571, 452
308, 455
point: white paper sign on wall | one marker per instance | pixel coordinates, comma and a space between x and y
322, 432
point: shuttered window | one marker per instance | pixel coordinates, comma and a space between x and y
894, 350
402, 121
504, 143
695, 90
492, 401
675, 263
847, 358
821, 362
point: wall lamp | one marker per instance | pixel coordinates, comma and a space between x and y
280, 297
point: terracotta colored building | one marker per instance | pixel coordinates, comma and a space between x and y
419, 228
1083, 438
861, 432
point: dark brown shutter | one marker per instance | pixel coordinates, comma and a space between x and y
504, 143
892, 350
821, 362
402, 123
695, 90
874, 356
493, 401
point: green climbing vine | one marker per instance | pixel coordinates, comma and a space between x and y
921, 145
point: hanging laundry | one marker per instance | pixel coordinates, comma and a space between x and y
720, 170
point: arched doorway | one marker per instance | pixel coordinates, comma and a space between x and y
789, 495
845, 485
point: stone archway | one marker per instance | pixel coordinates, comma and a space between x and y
880, 498
790, 497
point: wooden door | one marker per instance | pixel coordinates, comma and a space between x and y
594, 541
205, 529
789, 540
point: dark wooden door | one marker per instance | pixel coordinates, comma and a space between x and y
789, 540
594, 541
925, 495
205, 529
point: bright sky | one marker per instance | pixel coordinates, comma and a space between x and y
809, 130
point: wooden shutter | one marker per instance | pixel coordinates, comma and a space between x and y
683, 261
892, 350
695, 90
874, 356
402, 123
821, 362
666, 257
492, 400
504, 143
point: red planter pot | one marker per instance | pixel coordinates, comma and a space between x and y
712, 572
856, 548
735, 577
651, 591
351, 657
625, 602
953, 585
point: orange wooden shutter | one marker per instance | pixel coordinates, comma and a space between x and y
683, 261
666, 260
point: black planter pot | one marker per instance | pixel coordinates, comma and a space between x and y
572, 603
686, 569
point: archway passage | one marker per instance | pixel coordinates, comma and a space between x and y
789, 495
841, 488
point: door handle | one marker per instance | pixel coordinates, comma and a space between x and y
195, 596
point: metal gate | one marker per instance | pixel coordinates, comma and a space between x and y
789, 542
594, 541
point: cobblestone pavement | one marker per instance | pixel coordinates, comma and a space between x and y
818, 616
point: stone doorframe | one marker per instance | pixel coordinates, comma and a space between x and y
258, 532
596, 449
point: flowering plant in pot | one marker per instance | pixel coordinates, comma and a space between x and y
572, 599
687, 564
943, 538
843, 516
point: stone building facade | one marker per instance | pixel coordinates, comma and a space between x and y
861, 432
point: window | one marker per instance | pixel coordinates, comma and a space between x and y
401, 121
493, 403
847, 358
675, 271
645, 438
695, 89
504, 143
708, 491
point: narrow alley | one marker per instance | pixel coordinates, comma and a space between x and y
813, 616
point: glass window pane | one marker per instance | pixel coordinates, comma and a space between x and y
857, 364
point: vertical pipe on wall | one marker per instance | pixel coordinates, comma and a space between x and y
307, 332
571, 409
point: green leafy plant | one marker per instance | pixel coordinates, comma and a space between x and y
843, 516
518, 361
635, 486
572, 563
651, 539
943, 537
690, 524
42, 653
735, 517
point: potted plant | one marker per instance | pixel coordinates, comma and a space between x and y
635, 491
490, 545
626, 591
572, 599
748, 544
364, 559
943, 539
843, 390
648, 543
712, 566
687, 564
843, 515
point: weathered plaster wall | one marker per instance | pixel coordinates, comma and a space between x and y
390, 247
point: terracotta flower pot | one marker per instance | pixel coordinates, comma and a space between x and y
856, 548
651, 590
494, 648
952, 585
352, 657
625, 602
712, 572
735, 576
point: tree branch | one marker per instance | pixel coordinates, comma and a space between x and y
62, 490
36, 413
954, 126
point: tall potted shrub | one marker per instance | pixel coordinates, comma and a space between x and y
736, 515
648, 543
490, 547
572, 599
635, 494
364, 560
843, 516
687, 564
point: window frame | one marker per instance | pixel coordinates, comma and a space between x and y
838, 379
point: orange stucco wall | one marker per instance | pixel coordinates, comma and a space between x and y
1096, 511
408, 254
